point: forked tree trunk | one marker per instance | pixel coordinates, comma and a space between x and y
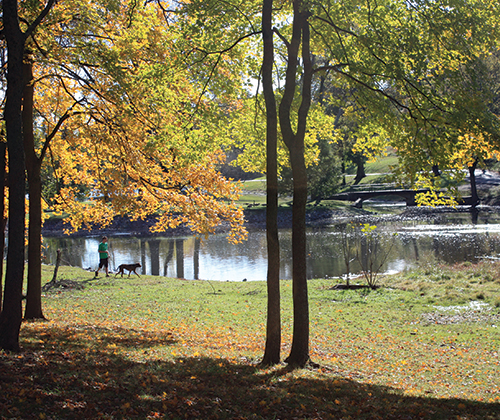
273, 332
299, 354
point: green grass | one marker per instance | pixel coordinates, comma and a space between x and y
156, 347
367, 180
253, 191
381, 165
255, 185
252, 199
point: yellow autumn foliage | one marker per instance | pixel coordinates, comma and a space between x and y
142, 138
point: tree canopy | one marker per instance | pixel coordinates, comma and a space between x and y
135, 105
145, 141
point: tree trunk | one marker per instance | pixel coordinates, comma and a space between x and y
3, 220
473, 186
11, 316
33, 308
360, 172
342, 157
299, 354
273, 332
56, 268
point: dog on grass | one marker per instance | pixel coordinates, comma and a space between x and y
129, 267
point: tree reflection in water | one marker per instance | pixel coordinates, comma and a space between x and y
451, 239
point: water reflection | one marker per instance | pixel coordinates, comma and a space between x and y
453, 240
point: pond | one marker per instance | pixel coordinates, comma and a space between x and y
450, 238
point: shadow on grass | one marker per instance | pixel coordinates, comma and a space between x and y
72, 377
95, 338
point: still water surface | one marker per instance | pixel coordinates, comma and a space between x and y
454, 238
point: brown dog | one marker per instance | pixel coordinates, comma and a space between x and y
129, 267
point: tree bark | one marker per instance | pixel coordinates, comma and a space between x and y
56, 268
299, 354
360, 171
33, 308
11, 316
473, 186
3, 220
273, 331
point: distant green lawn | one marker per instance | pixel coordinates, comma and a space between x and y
381, 165
253, 191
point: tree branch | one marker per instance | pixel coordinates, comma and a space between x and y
212, 71
225, 50
291, 69
337, 28
371, 88
56, 128
39, 19
285, 41
307, 80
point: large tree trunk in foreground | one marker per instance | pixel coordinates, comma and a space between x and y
273, 332
33, 167
11, 316
299, 354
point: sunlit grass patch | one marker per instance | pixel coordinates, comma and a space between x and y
460, 283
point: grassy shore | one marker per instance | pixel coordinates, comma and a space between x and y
423, 346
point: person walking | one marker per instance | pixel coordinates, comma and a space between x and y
103, 256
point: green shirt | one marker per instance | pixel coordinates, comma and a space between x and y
103, 250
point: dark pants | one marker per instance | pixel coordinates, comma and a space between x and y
103, 262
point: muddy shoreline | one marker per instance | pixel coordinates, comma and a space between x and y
255, 219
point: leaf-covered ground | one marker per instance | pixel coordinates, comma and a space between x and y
425, 346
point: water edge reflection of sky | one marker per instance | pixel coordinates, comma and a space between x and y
215, 259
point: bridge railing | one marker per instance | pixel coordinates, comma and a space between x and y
372, 187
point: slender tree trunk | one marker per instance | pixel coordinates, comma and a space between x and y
473, 186
56, 268
33, 308
299, 354
342, 157
273, 332
3, 220
11, 316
